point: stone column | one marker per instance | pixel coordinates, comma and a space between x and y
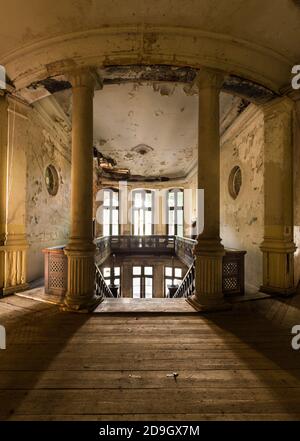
209, 251
81, 249
278, 246
13, 240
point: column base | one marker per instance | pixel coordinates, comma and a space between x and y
278, 267
13, 289
284, 292
82, 305
81, 295
13, 256
208, 275
217, 304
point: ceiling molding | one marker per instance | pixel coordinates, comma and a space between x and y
124, 45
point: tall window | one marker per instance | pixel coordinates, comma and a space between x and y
110, 212
175, 212
142, 212
142, 282
173, 276
112, 275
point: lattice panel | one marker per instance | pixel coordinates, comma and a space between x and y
57, 272
230, 268
230, 284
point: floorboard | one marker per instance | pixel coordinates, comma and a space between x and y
236, 365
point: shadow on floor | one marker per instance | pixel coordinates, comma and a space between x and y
265, 326
36, 334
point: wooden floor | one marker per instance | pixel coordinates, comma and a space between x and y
232, 365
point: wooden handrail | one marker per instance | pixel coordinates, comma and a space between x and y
187, 286
101, 287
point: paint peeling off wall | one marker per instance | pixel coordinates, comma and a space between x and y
297, 191
242, 218
47, 217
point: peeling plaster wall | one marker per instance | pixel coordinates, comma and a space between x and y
47, 217
242, 219
297, 190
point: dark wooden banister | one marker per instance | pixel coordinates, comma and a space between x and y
187, 286
101, 287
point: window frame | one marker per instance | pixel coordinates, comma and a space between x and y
142, 278
111, 208
112, 277
144, 209
172, 278
176, 208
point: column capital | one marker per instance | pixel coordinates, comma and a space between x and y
209, 78
85, 77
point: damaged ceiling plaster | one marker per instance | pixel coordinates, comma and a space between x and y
146, 117
148, 130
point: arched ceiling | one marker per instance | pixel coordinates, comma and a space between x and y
255, 39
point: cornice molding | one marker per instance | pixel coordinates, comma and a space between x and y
241, 123
149, 45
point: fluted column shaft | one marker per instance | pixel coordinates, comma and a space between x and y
209, 251
81, 249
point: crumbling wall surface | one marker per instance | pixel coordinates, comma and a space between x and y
297, 190
242, 219
47, 217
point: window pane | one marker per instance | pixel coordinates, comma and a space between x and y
178, 272
137, 270
115, 230
106, 230
148, 270
171, 217
117, 271
180, 217
106, 272
136, 287
106, 198
117, 282
136, 222
177, 282
171, 199
115, 216
171, 230
180, 199
115, 198
137, 200
106, 219
180, 230
148, 200
168, 271
148, 287
141, 222
136, 281
168, 282
148, 223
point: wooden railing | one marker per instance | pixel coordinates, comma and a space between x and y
232, 270
101, 288
142, 244
184, 249
187, 287
103, 249
233, 275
